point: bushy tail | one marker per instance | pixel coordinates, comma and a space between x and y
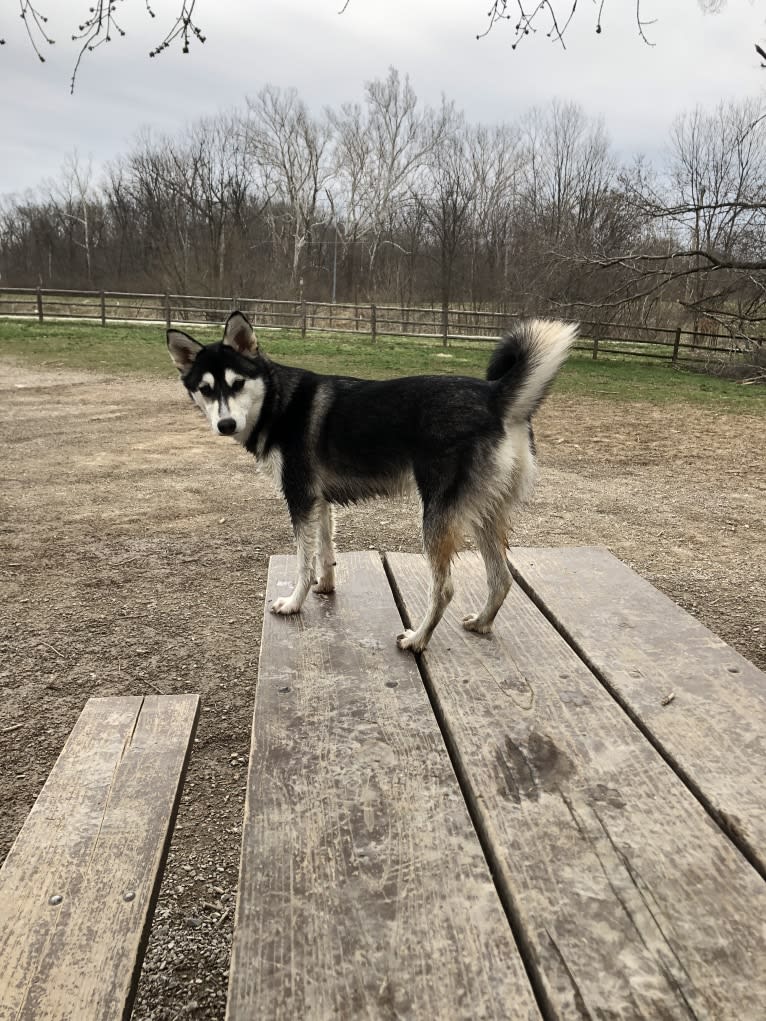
524, 364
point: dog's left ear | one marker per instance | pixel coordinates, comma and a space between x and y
183, 350
238, 333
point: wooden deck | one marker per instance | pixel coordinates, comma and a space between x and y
565, 819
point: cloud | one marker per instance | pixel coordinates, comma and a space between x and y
327, 56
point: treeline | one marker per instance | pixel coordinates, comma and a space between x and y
390, 200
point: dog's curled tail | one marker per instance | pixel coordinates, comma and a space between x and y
524, 364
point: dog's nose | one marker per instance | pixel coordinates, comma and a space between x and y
227, 426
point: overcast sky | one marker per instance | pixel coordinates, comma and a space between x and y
327, 56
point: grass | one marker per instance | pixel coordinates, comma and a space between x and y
118, 348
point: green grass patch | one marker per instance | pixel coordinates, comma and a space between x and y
118, 348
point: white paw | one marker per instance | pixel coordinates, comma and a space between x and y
473, 623
409, 640
285, 605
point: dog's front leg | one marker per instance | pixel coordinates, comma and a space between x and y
305, 534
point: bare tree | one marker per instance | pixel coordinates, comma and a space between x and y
213, 170
290, 148
351, 179
446, 193
381, 151
149, 177
497, 158
704, 243
566, 174
533, 216
73, 196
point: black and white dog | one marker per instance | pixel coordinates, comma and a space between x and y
464, 445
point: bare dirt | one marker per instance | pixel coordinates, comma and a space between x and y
134, 557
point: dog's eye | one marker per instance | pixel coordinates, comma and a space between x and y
237, 385
206, 391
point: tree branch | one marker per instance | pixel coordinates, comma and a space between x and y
101, 24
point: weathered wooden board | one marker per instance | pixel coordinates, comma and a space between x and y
645, 648
632, 901
364, 892
78, 888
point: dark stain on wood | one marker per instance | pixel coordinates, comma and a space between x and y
528, 770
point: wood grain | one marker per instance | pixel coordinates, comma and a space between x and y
78, 888
632, 902
363, 890
646, 649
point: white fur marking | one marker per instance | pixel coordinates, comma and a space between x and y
245, 407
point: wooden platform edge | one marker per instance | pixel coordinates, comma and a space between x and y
67, 901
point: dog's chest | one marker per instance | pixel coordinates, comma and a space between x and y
271, 465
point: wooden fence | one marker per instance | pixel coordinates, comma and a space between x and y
374, 321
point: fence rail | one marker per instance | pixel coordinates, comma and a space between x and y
599, 339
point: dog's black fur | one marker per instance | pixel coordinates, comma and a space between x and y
465, 445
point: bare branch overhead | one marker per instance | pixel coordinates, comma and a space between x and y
101, 25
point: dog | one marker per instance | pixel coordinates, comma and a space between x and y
465, 445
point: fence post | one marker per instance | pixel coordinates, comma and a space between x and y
39, 305
676, 345
167, 310
303, 318
103, 309
373, 323
445, 325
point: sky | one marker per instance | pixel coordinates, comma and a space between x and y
327, 55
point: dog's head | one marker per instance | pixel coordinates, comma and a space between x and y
224, 379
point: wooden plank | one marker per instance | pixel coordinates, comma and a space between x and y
364, 892
645, 648
633, 903
78, 888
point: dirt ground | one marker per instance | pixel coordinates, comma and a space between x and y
134, 556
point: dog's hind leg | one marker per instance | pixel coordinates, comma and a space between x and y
325, 549
305, 534
490, 538
440, 543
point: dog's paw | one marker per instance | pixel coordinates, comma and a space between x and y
285, 605
409, 640
473, 623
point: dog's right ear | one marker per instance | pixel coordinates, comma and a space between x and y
183, 350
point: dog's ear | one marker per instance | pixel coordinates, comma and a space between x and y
238, 333
183, 350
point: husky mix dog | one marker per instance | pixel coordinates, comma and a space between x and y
464, 445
